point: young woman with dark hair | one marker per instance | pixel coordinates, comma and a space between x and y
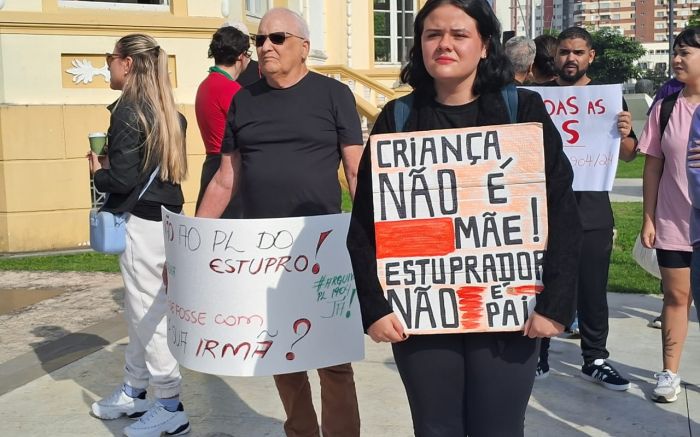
667, 208
475, 384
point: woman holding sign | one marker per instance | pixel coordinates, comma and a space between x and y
667, 206
475, 384
142, 172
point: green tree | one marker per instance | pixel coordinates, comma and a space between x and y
615, 57
552, 32
694, 19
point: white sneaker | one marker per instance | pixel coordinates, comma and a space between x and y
157, 421
668, 386
119, 404
655, 323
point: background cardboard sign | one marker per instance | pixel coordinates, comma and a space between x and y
586, 117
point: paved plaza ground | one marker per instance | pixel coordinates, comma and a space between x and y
61, 354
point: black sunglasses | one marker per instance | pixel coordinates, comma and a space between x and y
276, 38
109, 57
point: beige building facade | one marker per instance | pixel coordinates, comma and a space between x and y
54, 87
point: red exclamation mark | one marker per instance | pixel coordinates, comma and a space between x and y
316, 268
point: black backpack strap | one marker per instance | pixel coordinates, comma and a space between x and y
666, 108
402, 107
510, 96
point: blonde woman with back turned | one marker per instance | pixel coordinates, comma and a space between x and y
146, 142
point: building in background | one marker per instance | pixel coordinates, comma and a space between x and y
517, 16
645, 20
54, 88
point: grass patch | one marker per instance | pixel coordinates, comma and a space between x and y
625, 275
79, 262
630, 170
86, 261
346, 205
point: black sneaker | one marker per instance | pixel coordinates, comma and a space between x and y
542, 370
599, 371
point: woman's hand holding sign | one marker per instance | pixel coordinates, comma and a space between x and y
387, 329
540, 326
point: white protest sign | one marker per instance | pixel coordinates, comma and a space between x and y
586, 117
261, 297
461, 226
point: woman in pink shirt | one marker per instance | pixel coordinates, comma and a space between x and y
667, 208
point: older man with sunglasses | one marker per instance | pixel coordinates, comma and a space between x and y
282, 150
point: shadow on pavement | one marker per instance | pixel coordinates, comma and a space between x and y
208, 399
590, 409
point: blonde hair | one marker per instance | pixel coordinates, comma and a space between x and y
148, 90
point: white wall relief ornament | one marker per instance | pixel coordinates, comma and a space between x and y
83, 71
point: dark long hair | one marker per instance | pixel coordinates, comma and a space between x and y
492, 73
546, 49
690, 37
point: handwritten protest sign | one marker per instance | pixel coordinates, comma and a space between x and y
261, 297
461, 226
586, 117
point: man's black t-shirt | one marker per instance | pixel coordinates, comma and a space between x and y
289, 140
594, 206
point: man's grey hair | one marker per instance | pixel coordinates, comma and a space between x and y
521, 52
302, 29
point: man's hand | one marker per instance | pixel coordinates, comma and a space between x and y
628, 144
387, 329
540, 326
624, 124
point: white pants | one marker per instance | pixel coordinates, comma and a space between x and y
148, 359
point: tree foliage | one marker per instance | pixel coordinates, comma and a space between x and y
615, 57
694, 19
551, 32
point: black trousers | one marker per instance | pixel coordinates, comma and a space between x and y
475, 385
592, 304
209, 168
593, 293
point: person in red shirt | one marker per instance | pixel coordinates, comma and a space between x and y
230, 49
